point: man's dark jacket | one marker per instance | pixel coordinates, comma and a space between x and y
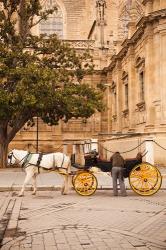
117, 160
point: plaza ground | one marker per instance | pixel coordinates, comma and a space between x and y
51, 221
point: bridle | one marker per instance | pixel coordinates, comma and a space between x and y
12, 155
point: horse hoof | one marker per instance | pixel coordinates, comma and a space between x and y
20, 195
64, 193
33, 193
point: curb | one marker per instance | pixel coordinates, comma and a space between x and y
41, 188
53, 188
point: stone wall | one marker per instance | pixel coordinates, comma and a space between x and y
136, 74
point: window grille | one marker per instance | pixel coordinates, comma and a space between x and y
141, 82
126, 95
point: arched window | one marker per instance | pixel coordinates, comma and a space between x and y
140, 66
54, 22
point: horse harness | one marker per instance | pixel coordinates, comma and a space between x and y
26, 161
38, 161
28, 157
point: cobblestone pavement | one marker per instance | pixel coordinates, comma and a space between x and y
51, 221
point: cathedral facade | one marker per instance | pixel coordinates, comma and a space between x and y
127, 41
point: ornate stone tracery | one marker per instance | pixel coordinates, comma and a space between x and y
54, 23
101, 5
101, 20
125, 9
81, 44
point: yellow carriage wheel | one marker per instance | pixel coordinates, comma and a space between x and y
85, 183
145, 179
74, 176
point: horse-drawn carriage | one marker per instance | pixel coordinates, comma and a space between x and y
144, 178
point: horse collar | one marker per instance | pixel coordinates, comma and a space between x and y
26, 159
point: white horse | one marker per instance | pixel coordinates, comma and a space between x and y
36, 163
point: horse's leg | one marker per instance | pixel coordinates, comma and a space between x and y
34, 184
67, 179
65, 185
29, 174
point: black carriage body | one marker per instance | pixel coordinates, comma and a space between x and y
106, 166
129, 165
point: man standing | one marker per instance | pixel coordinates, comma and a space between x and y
117, 163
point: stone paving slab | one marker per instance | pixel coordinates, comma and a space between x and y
81, 238
52, 221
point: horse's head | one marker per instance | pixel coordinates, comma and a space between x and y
17, 156
11, 158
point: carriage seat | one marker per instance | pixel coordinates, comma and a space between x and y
77, 165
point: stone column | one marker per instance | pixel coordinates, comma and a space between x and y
132, 89
109, 123
74, 149
157, 79
149, 77
82, 159
101, 6
149, 147
106, 119
119, 97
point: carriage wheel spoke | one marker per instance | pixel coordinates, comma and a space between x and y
152, 186
85, 183
137, 186
145, 179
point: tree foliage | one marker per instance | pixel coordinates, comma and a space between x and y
39, 75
